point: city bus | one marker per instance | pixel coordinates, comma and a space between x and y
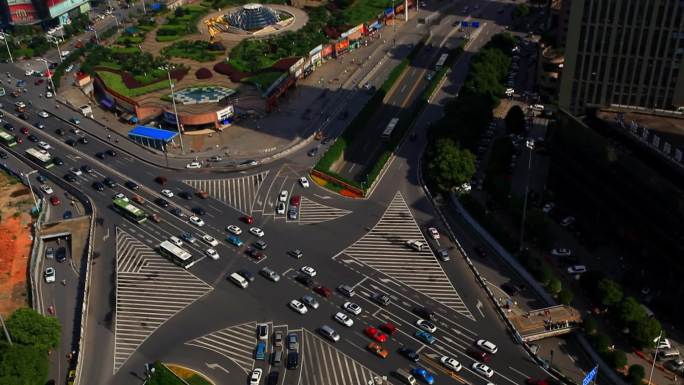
41, 157
7, 139
177, 255
390, 128
441, 61
129, 210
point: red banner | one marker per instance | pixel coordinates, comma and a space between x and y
341, 46
327, 50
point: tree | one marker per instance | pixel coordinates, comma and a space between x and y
636, 374
644, 331
618, 359
450, 165
521, 10
515, 120
630, 311
28, 327
565, 297
555, 286
610, 292
602, 342
590, 325
21, 364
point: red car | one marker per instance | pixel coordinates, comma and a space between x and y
295, 200
375, 334
255, 254
248, 219
323, 291
478, 355
55, 201
388, 328
38, 82
25, 130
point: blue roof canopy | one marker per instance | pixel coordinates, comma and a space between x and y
152, 133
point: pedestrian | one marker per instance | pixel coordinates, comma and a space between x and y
109, 137
40, 95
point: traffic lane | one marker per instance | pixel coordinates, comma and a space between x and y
59, 299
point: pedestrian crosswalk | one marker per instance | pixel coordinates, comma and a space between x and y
149, 291
323, 364
238, 193
237, 343
384, 249
311, 212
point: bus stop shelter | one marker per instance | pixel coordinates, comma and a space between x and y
152, 137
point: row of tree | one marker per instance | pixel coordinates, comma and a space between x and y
24, 361
450, 159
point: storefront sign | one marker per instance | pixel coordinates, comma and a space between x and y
315, 58
316, 50
224, 115
341, 46
297, 66
327, 50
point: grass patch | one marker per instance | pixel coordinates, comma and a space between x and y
129, 40
115, 82
163, 376
198, 50
189, 376
363, 10
263, 80
181, 22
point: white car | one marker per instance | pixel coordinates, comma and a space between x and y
577, 269
257, 231
567, 221
66, 53
76, 171
50, 275
487, 346
234, 230
548, 207
121, 196
451, 363
483, 369
664, 344
344, 319
211, 241
167, 193
561, 252
197, 221
20, 104
49, 94
426, 325
308, 270
69, 68
280, 209
433, 233
44, 146
352, 308
211, 253
298, 307
28, 72
46, 189
304, 182
255, 377
283, 196
194, 164
43, 114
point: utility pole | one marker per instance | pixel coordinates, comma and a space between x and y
3, 36
175, 111
7, 335
530, 145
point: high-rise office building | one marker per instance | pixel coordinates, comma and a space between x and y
626, 52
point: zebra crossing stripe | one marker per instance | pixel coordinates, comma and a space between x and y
384, 248
236, 343
311, 212
149, 291
238, 193
323, 364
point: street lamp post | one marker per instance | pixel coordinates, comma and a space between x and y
3, 36
530, 145
97, 39
47, 68
28, 180
175, 111
655, 355
7, 335
56, 41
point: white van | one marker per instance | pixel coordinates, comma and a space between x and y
238, 280
176, 241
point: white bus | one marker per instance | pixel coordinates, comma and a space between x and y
390, 128
41, 157
441, 61
176, 254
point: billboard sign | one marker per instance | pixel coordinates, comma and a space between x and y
224, 115
590, 376
60, 7
316, 50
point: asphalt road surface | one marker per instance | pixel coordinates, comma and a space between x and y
143, 308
